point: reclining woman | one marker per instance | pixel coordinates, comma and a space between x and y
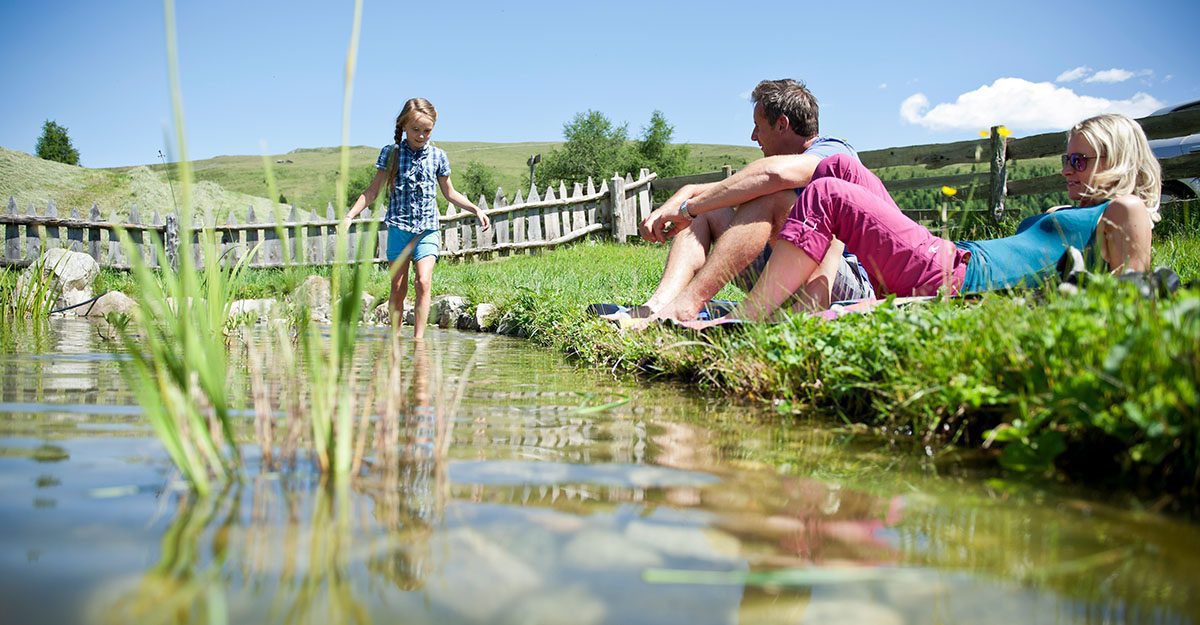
1112, 177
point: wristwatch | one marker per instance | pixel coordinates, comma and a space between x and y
684, 211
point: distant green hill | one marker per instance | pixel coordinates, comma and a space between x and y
306, 178
32, 181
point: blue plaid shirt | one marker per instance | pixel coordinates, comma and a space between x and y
413, 207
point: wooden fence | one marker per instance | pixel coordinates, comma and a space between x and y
527, 223
539, 220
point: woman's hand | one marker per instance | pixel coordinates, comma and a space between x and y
484, 222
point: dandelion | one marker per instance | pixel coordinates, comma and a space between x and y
949, 191
1003, 131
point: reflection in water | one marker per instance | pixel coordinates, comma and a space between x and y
497, 486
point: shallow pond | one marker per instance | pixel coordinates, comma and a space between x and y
548, 495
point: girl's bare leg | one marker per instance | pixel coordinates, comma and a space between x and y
424, 282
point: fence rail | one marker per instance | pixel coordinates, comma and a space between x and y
536, 221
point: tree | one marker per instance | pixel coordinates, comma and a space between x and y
359, 182
55, 145
479, 180
594, 147
655, 151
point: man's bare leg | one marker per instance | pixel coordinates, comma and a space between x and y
687, 255
753, 224
817, 293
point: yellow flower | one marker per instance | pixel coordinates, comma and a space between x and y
949, 191
1003, 131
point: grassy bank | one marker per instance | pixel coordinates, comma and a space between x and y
1097, 385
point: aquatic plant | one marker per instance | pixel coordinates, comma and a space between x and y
178, 335
177, 339
26, 298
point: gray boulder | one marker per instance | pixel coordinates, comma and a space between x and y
314, 295
112, 302
446, 309
486, 316
70, 275
257, 309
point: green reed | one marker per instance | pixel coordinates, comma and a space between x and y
179, 336
27, 295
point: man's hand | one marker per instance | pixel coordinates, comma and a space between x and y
484, 221
664, 223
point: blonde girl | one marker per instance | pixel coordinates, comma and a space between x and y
412, 168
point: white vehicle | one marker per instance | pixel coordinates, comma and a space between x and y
1179, 188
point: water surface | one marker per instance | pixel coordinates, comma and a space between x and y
547, 494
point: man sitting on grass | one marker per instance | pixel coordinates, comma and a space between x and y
721, 230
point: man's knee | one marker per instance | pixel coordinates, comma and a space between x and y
836, 166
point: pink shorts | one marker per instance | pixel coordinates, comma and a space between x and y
848, 202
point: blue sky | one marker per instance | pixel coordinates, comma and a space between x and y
886, 74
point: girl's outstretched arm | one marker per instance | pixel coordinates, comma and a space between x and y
461, 201
1126, 228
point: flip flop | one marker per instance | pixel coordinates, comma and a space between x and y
640, 311
602, 309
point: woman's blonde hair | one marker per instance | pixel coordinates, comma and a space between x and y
414, 106
1131, 166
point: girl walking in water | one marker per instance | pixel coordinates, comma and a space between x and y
411, 168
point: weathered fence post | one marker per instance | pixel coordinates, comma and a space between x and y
502, 225
296, 250
93, 235
52, 235
253, 237
12, 235
155, 238
114, 243
171, 240
645, 202
33, 235
616, 200
450, 233
484, 238
999, 168
534, 221
330, 238
74, 234
135, 234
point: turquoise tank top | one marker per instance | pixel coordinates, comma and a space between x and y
1030, 256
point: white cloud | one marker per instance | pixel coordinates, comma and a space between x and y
883, 85
1072, 75
1019, 104
1110, 75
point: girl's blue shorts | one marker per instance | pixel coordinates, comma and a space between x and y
429, 243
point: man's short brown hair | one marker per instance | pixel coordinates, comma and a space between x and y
791, 98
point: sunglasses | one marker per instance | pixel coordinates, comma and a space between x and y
1077, 161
